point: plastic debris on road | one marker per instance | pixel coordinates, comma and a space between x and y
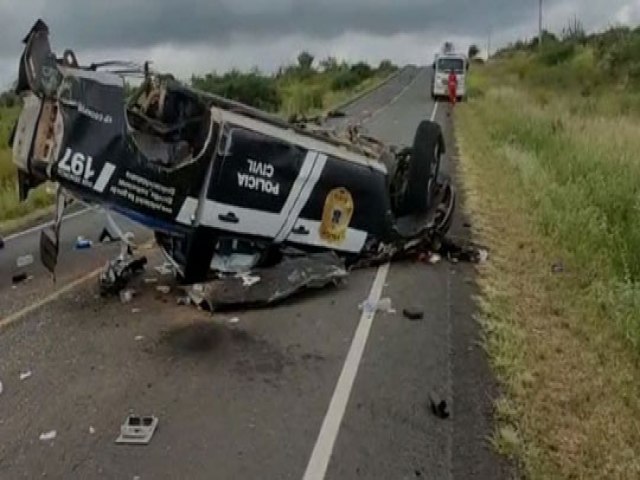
184, 300
150, 280
25, 375
137, 430
139, 338
233, 320
24, 261
126, 295
434, 258
164, 269
163, 289
382, 305
48, 436
92, 430
83, 243
136, 310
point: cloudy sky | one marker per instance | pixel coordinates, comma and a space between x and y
196, 36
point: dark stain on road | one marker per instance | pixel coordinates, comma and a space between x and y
237, 349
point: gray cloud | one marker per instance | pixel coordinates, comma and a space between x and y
132, 24
243, 33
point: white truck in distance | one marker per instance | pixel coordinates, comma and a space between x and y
442, 67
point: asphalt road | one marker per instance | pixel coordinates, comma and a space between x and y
310, 389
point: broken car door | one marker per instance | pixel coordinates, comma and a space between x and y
260, 181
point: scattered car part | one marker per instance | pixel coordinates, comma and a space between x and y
18, 278
184, 300
48, 436
413, 313
439, 407
279, 282
164, 269
24, 261
118, 272
126, 295
137, 430
105, 236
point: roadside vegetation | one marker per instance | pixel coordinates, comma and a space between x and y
302, 89
549, 142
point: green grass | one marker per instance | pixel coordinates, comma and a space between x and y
313, 96
550, 184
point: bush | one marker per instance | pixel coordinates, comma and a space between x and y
345, 80
362, 71
251, 88
302, 99
557, 53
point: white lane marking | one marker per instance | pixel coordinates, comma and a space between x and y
323, 449
319, 461
435, 111
44, 225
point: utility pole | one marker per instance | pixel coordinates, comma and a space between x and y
489, 45
540, 23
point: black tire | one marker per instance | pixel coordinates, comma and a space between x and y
424, 166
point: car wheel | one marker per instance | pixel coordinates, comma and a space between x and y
424, 166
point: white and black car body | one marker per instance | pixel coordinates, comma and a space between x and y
212, 177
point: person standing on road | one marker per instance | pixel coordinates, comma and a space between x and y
453, 87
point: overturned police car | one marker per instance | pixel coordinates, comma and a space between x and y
220, 183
